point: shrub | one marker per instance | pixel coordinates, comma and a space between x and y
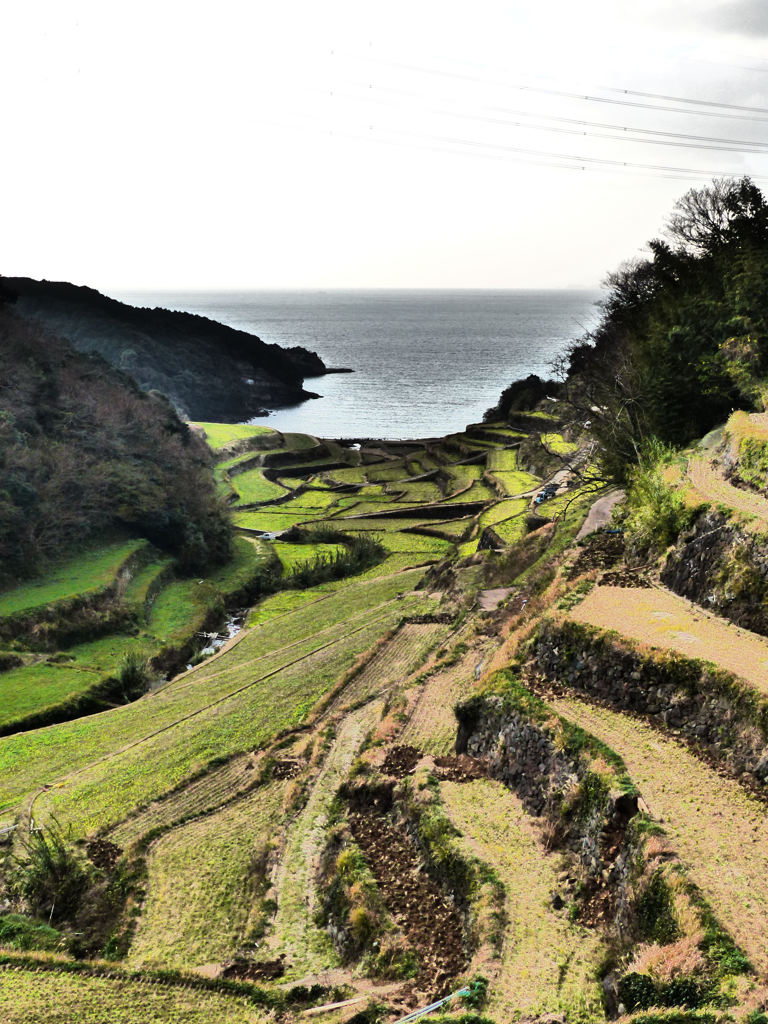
656, 511
51, 878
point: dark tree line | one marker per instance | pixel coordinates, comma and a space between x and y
84, 452
683, 334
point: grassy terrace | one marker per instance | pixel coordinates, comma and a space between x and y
253, 487
84, 575
120, 759
220, 434
548, 964
180, 608
59, 998
201, 881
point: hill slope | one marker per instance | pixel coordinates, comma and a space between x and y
208, 370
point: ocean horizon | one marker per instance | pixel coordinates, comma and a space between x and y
425, 362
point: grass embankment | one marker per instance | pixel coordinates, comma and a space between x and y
548, 964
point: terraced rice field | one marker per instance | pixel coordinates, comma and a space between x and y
308, 948
397, 659
36, 688
88, 573
206, 793
431, 725
516, 482
253, 487
219, 434
662, 619
270, 521
548, 964
201, 899
719, 830
711, 486
128, 756
28, 996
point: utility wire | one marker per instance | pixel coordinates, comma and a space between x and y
748, 115
727, 147
410, 94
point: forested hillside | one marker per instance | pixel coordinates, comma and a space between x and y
83, 452
208, 370
683, 336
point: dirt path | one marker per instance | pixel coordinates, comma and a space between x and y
719, 830
661, 619
711, 485
489, 600
307, 948
548, 964
600, 513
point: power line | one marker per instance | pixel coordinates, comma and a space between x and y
660, 138
573, 158
590, 124
588, 97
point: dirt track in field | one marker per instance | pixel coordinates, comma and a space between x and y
711, 485
661, 619
719, 830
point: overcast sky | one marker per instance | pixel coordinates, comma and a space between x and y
253, 144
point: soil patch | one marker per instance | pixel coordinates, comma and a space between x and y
286, 768
249, 970
460, 769
600, 551
103, 853
421, 908
489, 600
401, 761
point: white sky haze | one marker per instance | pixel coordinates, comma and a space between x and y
250, 144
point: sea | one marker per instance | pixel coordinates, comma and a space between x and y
425, 363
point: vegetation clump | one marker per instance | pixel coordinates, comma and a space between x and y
83, 452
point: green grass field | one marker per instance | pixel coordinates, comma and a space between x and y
252, 487
84, 574
219, 434
29, 996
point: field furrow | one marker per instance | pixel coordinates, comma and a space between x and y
710, 485
202, 884
407, 651
308, 949
206, 793
548, 964
719, 830
28, 997
662, 619
432, 724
